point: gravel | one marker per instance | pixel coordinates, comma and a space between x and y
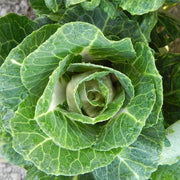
10, 172
17, 6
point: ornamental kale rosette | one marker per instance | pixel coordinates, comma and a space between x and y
80, 98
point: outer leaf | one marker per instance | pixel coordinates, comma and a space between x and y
40, 7
147, 23
90, 5
140, 6
12, 90
109, 7
116, 29
166, 30
168, 66
71, 38
118, 132
34, 173
125, 127
171, 154
148, 71
138, 160
13, 29
53, 9
52, 5
6, 115
167, 172
38, 148
73, 2
172, 1
7, 151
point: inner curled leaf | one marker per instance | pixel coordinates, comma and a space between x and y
90, 93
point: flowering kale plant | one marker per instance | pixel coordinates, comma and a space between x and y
81, 90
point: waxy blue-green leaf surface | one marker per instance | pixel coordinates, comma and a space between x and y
150, 72
117, 28
7, 151
10, 155
90, 5
12, 90
147, 72
34, 173
138, 160
140, 7
167, 172
73, 2
47, 156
